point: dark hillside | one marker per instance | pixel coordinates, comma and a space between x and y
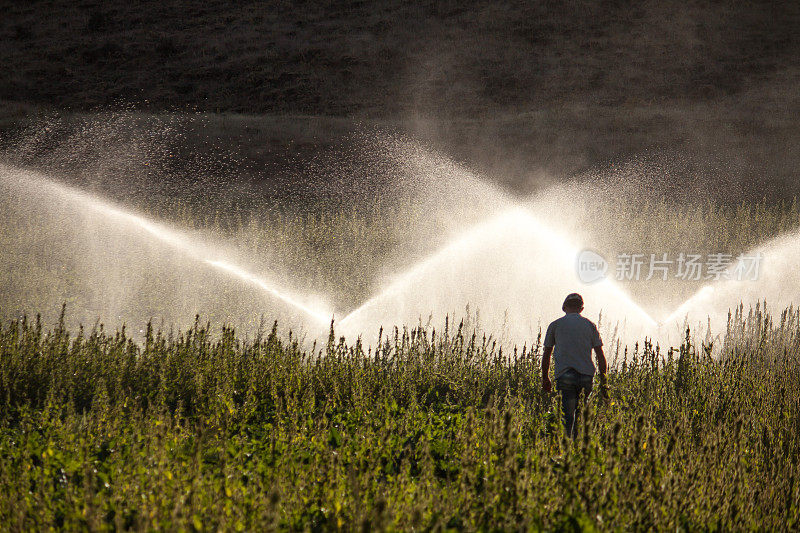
386, 57
526, 93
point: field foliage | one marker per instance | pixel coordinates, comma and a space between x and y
424, 431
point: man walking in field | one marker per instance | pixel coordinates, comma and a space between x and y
570, 340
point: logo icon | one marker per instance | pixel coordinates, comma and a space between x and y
591, 266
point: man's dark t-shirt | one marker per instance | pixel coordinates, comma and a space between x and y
573, 337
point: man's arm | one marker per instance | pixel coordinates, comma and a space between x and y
546, 384
602, 365
602, 368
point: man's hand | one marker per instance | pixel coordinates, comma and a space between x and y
547, 385
603, 388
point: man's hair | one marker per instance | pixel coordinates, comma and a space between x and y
572, 301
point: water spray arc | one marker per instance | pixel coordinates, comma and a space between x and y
512, 247
322, 316
779, 272
508, 235
38, 184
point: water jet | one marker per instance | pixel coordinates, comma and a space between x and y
38, 185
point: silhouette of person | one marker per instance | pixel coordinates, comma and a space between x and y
570, 340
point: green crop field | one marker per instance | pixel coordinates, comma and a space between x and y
425, 431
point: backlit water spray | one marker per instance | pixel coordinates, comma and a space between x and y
512, 270
774, 283
37, 184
